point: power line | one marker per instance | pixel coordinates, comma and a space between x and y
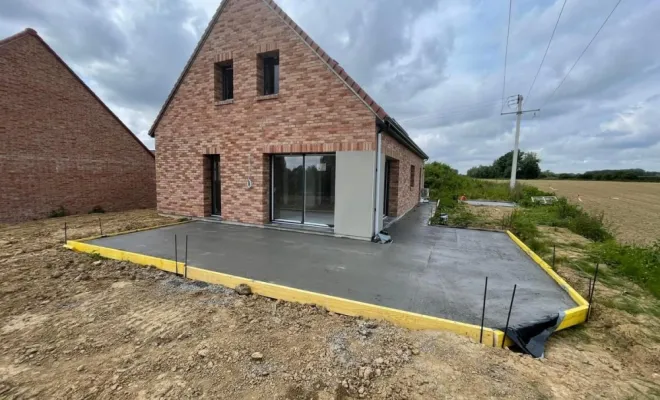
581, 54
506, 52
546, 49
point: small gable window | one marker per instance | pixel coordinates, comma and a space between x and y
268, 76
224, 80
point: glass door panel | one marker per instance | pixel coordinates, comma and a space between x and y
320, 189
288, 188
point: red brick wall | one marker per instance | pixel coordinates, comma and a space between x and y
313, 112
59, 145
407, 196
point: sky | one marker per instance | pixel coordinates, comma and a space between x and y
437, 66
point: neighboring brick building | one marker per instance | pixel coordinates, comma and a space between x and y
262, 125
60, 146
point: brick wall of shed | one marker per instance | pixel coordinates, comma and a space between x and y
313, 112
59, 145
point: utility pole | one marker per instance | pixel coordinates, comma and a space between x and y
514, 163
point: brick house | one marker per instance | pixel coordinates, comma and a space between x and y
264, 127
61, 146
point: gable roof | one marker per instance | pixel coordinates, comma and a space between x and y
31, 32
394, 128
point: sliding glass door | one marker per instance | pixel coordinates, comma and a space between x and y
304, 188
288, 188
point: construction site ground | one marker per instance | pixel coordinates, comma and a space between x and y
77, 326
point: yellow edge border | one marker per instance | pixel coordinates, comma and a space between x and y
575, 315
491, 337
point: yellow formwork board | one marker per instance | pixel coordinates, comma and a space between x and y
573, 316
491, 337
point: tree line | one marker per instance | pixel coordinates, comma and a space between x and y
529, 168
635, 174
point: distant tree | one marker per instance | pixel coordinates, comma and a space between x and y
547, 174
502, 166
528, 166
482, 171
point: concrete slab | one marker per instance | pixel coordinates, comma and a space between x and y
488, 203
430, 270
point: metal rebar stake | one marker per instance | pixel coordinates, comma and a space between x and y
176, 258
185, 262
553, 256
509, 316
591, 292
65, 236
483, 313
100, 226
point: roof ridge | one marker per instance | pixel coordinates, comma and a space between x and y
24, 32
31, 32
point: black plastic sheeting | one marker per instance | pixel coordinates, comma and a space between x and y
531, 338
382, 237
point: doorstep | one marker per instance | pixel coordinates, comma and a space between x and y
283, 226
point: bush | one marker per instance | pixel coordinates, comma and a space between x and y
590, 226
566, 215
58, 212
521, 225
97, 210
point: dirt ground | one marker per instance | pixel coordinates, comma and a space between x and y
77, 326
631, 208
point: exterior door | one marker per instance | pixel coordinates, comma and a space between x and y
216, 208
303, 189
386, 194
288, 189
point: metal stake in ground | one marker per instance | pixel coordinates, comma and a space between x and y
100, 226
65, 238
176, 258
506, 327
553, 256
185, 262
591, 294
483, 313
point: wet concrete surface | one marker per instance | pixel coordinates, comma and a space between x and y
430, 270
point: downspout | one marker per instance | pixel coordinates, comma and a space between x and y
377, 179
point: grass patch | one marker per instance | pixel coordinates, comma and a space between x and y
96, 256
458, 216
567, 215
58, 212
637, 263
578, 332
631, 305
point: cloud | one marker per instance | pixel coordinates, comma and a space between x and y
436, 66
